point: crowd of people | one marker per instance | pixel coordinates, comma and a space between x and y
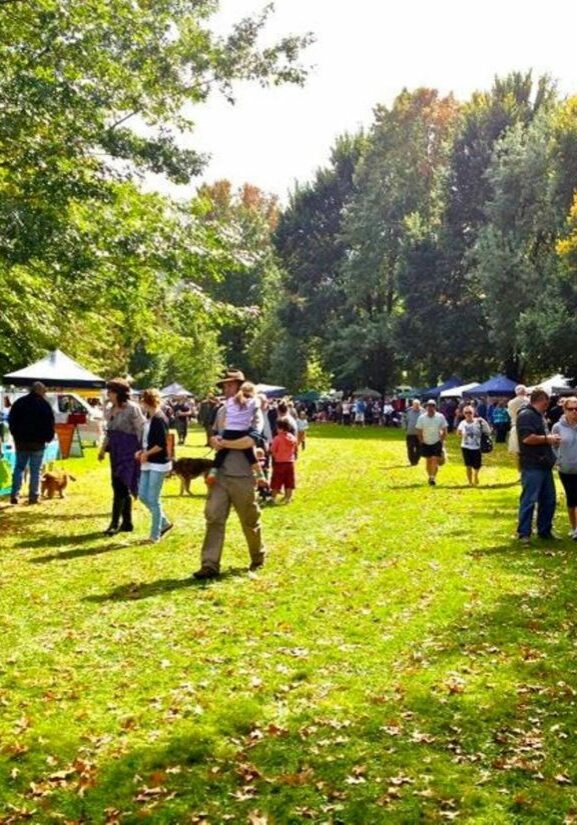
542, 435
257, 441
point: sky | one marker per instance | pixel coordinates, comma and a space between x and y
365, 52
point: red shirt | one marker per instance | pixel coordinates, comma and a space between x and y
283, 447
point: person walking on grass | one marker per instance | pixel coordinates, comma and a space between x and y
234, 487
411, 417
124, 426
537, 461
302, 429
283, 449
514, 407
155, 463
31, 424
471, 429
566, 451
431, 431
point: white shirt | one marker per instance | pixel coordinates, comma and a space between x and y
470, 432
431, 426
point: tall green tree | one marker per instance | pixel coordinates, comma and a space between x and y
312, 252
75, 79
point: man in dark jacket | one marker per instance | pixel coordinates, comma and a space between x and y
31, 424
537, 462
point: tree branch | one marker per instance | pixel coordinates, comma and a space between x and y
122, 119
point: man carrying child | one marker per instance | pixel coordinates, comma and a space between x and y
234, 486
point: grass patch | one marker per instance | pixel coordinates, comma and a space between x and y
399, 659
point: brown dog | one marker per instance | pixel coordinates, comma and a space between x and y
53, 483
188, 468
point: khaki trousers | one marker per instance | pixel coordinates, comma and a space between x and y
238, 491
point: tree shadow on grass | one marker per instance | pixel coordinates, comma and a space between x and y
134, 591
533, 555
50, 540
79, 552
34, 515
482, 701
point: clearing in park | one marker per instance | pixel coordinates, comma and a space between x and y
399, 659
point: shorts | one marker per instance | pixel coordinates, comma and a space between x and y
472, 458
569, 482
432, 450
283, 475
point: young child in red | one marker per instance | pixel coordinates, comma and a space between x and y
283, 449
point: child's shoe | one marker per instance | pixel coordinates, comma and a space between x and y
260, 478
211, 476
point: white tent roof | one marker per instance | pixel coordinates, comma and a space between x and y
56, 370
271, 389
550, 384
457, 392
175, 389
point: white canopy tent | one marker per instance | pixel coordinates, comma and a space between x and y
56, 370
552, 385
175, 389
457, 392
272, 390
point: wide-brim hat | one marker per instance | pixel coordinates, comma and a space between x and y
231, 375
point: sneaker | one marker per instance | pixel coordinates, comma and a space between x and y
126, 528
432, 482
205, 573
13, 499
525, 540
256, 565
165, 530
573, 534
548, 537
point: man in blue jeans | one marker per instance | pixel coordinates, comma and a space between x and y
31, 424
537, 461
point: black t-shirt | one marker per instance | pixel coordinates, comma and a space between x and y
531, 422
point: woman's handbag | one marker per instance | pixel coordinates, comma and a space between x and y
486, 442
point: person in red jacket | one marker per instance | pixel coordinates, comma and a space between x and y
283, 450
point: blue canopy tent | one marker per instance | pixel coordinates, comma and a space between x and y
497, 385
434, 392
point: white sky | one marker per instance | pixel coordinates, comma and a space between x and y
366, 51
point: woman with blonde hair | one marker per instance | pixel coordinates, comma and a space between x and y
471, 430
154, 462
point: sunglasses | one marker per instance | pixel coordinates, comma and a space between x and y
570, 409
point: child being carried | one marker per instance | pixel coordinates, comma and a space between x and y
239, 413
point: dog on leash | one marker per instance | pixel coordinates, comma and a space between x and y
189, 468
55, 482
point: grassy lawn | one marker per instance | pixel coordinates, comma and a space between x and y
398, 660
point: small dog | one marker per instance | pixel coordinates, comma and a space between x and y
188, 468
53, 483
